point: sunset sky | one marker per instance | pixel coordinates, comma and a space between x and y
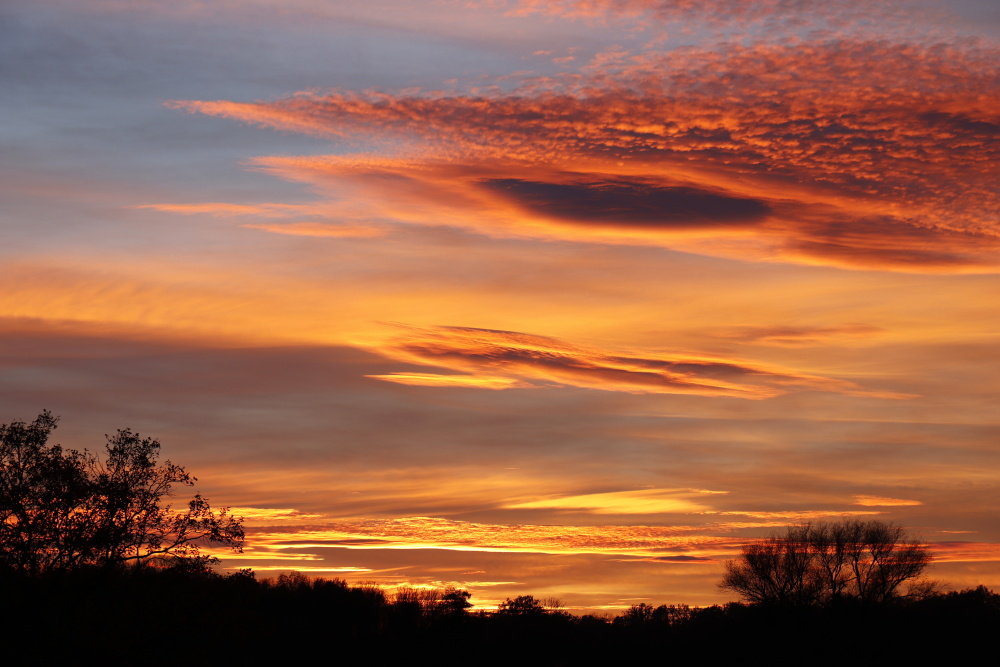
559, 297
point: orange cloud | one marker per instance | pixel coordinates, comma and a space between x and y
282, 547
485, 355
225, 210
852, 154
309, 569
645, 501
435, 380
320, 229
266, 516
437, 533
880, 501
965, 552
274, 210
796, 515
792, 336
798, 12
674, 542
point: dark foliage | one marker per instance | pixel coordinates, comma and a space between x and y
115, 615
71, 521
63, 510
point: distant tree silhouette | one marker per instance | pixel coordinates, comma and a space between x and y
821, 563
455, 601
643, 615
637, 616
62, 509
522, 605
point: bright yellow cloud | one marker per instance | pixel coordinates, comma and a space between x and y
881, 501
646, 501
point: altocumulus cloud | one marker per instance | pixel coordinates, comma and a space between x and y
859, 154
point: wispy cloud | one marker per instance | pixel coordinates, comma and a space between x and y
226, 210
271, 516
320, 229
438, 533
487, 356
880, 501
643, 501
965, 552
437, 380
796, 12
790, 516
280, 211
706, 541
798, 336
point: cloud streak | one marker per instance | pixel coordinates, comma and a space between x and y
645, 501
486, 357
798, 336
715, 11
275, 211
438, 533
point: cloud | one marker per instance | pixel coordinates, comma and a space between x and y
226, 210
880, 501
438, 533
796, 515
307, 568
856, 154
645, 501
965, 552
276, 210
436, 380
797, 335
268, 516
484, 355
629, 203
320, 229
668, 542
714, 11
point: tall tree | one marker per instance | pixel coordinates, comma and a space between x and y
63, 509
819, 563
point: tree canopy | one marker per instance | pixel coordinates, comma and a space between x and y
63, 509
820, 563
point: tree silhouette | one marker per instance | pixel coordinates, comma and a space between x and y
455, 601
522, 605
63, 509
825, 562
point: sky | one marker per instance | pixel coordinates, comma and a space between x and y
566, 298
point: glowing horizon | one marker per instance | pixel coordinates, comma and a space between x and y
563, 298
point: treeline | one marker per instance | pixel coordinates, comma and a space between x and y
118, 616
96, 567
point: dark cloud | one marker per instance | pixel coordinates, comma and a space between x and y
961, 123
629, 203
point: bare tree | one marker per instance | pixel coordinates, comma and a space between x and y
819, 563
62, 509
776, 569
